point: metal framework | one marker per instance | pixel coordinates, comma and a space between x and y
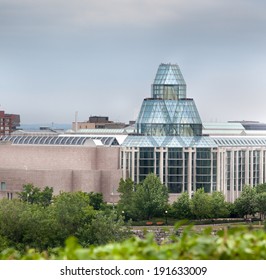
58, 140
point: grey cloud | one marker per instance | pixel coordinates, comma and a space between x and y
74, 54
145, 13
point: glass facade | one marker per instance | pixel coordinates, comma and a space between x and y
170, 144
189, 168
169, 117
203, 169
169, 83
175, 170
146, 162
59, 140
169, 112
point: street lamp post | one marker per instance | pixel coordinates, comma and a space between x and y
112, 194
166, 212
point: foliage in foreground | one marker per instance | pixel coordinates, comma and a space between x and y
233, 244
30, 224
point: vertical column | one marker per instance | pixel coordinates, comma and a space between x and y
222, 175
246, 167
211, 187
166, 166
261, 167
225, 174
138, 165
161, 165
237, 172
124, 165
251, 168
129, 156
189, 172
264, 166
133, 164
218, 185
155, 160
194, 160
232, 176
183, 169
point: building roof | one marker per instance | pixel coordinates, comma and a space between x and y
243, 141
62, 140
168, 141
169, 74
100, 131
223, 126
196, 141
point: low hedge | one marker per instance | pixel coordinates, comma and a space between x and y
232, 244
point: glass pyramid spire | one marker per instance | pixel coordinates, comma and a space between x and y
169, 83
169, 112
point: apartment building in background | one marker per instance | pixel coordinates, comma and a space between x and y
8, 123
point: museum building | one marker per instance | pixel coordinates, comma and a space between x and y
172, 143
168, 139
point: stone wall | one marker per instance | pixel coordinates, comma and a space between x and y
65, 168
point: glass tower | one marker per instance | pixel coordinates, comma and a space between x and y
169, 83
168, 112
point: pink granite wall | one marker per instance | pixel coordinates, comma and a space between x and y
65, 168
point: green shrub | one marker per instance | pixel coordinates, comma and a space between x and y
233, 244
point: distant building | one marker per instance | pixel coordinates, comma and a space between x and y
97, 122
251, 125
8, 123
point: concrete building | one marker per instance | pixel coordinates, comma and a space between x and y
66, 163
97, 122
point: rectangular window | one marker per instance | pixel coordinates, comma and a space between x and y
3, 186
175, 170
203, 169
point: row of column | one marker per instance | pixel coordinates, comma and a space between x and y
231, 192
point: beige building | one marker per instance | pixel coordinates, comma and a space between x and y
97, 122
87, 166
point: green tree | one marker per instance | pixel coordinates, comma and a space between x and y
72, 211
10, 222
46, 196
261, 188
219, 208
102, 229
151, 198
32, 194
24, 224
181, 208
246, 204
126, 203
232, 210
261, 204
40, 229
96, 200
201, 204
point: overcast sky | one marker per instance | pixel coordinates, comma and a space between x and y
100, 57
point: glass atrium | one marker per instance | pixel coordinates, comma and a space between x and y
169, 143
168, 112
